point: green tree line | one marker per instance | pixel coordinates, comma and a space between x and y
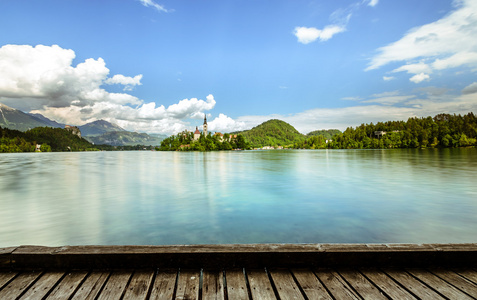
49, 139
444, 130
184, 141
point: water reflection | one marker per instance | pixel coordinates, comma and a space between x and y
347, 196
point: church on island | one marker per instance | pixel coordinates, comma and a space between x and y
197, 132
204, 131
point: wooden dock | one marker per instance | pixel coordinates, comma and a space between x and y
315, 271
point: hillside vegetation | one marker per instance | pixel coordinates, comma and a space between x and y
272, 133
442, 131
50, 139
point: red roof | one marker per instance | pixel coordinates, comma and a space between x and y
197, 131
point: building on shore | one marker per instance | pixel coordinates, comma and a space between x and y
204, 130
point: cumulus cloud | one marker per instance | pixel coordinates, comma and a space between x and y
419, 77
470, 89
128, 82
151, 3
46, 73
388, 78
42, 79
307, 35
223, 123
446, 43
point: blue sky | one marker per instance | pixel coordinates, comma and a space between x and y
158, 66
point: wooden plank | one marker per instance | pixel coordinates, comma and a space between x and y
236, 284
438, 284
468, 274
164, 285
457, 281
413, 285
361, 285
335, 284
285, 285
387, 285
19, 285
91, 286
310, 285
68, 285
116, 285
139, 285
43, 285
260, 285
188, 285
213, 285
5, 277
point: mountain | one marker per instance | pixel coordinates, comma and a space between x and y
47, 122
15, 119
121, 138
98, 128
272, 133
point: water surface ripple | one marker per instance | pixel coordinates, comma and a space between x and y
290, 196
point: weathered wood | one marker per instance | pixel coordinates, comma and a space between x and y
188, 285
164, 285
91, 286
116, 285
260, 285
249, 256
285, 284
413, 285
335, 284
67, 286
438, 284
387, 285
213, 285
236, 284
468, 274
457, 281
19, 285
310, 285
361, 285
139, 285
43, 285
5, 277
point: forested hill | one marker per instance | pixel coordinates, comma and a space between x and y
279, 133
50, 139
272, 133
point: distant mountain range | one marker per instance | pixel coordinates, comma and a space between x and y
98, 132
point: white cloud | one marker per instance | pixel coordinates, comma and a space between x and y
307, 35
419, 78
151, 3
401, 107
45, 73
414, 68
448, 42
388, 78
373, 3
43, 80
470, 89
223, 123
128, 82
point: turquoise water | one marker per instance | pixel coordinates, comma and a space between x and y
299, 196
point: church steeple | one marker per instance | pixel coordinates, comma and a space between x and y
205, 125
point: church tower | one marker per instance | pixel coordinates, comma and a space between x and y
205, 125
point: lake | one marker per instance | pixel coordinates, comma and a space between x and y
281, 196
